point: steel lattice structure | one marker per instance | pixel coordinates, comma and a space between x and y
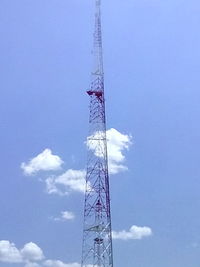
97, 234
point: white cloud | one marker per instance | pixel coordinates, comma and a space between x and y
45, 161
32, 252
9, 252
51, 187
135, 232
116, 144
30, 255
71, 180
65, 216
57, 263
74, 180
32, 264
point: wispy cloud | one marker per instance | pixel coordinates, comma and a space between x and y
195, 245
58, 263
135, 232
44, 161
65, 216
71, 180
32, 264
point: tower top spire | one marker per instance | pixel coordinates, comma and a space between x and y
97, 46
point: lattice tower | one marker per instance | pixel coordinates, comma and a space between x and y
97, 234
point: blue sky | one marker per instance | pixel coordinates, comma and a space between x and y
152, 63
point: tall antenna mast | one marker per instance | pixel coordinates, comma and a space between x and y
97, 233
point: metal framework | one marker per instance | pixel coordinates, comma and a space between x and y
97, 234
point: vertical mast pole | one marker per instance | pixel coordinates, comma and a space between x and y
97, 233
